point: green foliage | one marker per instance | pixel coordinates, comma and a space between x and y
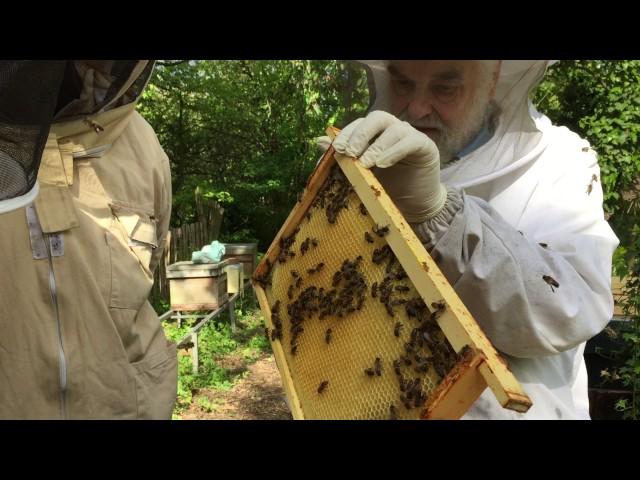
629, 373
242, 132
260, 343
184, 204
245, 130
205, 404
215, 343
214, 340
600, 100
159, 304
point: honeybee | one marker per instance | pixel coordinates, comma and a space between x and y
393, 412
551, 282
397, 328
396, 367
377, 366
381, 231
594, 178
276, 307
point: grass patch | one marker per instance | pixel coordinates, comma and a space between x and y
222, 355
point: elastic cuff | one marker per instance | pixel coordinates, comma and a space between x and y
430, 231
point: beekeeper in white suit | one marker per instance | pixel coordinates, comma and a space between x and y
508, 205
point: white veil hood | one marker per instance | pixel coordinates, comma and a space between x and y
518, 138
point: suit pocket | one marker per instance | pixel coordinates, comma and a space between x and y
131, 240
157, 384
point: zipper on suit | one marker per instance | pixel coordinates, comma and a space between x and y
62, 361
47, 245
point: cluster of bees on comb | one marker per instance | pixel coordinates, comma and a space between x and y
423, 350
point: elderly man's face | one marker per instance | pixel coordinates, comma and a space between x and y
448, 100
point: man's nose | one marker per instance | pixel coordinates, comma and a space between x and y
419, 106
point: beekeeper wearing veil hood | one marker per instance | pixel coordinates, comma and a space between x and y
85, 203
507, 204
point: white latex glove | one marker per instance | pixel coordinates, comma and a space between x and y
323, 143
407, 161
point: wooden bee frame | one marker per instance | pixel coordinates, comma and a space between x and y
328, 379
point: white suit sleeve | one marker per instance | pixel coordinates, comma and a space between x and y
498, 271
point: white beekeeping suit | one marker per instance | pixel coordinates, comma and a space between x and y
523, 206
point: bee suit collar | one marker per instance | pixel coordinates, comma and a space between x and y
36, 95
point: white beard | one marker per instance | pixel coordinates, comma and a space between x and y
453, 139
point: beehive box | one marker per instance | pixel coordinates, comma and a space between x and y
235, 277
197, 286
244, 253
363, 324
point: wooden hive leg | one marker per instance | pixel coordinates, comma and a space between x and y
194, 352
232, 313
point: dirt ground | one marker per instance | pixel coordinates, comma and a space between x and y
259, 396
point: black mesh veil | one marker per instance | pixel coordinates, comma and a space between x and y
28, 94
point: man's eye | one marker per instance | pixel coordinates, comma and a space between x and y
446, 92
401, 87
